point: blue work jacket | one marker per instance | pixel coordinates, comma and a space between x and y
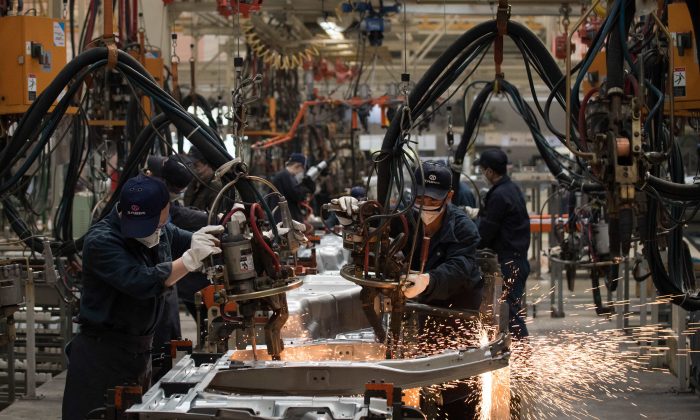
455, 280
504, 224
123, 281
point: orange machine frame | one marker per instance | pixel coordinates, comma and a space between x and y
23, 77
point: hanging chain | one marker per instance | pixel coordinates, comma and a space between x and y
173, 49
565, 10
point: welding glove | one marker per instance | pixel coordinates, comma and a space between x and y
347, 204
203, 244
471, 212
415, 284
299, 229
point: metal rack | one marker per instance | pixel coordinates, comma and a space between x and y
41, 329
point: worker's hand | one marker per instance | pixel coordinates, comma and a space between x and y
203, 244
349, 205
299, 229
471, 212
415, 284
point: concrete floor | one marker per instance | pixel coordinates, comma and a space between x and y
630, 394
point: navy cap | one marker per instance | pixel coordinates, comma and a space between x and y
140, 203
196, 155
358, 192
297, 158
495, 159
437, 180
176, 173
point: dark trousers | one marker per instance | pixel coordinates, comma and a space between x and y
515, 271
168, 326
95, 365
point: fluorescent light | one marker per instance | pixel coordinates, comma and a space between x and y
332, 29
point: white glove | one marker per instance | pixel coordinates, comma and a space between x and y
299, 229
203, 245
347, 204
415, 284
471, 212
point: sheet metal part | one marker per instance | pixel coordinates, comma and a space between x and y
206, 390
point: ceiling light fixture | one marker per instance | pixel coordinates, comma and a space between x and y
332, 29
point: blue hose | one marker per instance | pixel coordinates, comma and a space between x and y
605, 30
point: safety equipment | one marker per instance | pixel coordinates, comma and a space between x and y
299, 229
471, 212
151, 240
429, 216
299, 176
415, 284
176, 196
349, 205
203, 245
429, 213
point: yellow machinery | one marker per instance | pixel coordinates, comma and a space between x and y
33, 51
686, 71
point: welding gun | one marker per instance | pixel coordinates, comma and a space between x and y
315, 171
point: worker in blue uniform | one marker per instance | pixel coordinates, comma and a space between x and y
129, 259
293, 185
450, 277
504, 226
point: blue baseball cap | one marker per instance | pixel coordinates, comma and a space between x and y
437, 180
297, 158
358, 192
141, 200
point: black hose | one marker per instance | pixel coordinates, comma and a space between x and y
202, 103
673, 190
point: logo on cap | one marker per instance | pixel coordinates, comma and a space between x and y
135, 210
432, 177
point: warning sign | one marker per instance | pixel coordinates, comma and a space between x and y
59, 34
31, 86
679, 81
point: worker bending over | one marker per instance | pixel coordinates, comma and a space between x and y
129, 259
293, 185
451, 277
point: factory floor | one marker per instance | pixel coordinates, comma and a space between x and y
566, 374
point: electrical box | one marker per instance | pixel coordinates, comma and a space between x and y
154, 65
686, 72
32, 52
597, 72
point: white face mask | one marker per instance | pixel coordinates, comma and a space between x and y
430, 213
429, 217
175, 196
151, 240
299, 176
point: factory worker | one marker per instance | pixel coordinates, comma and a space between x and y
177, 176
293, 185
504, 226
174, 171
451, 277
129, 259
202, 191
